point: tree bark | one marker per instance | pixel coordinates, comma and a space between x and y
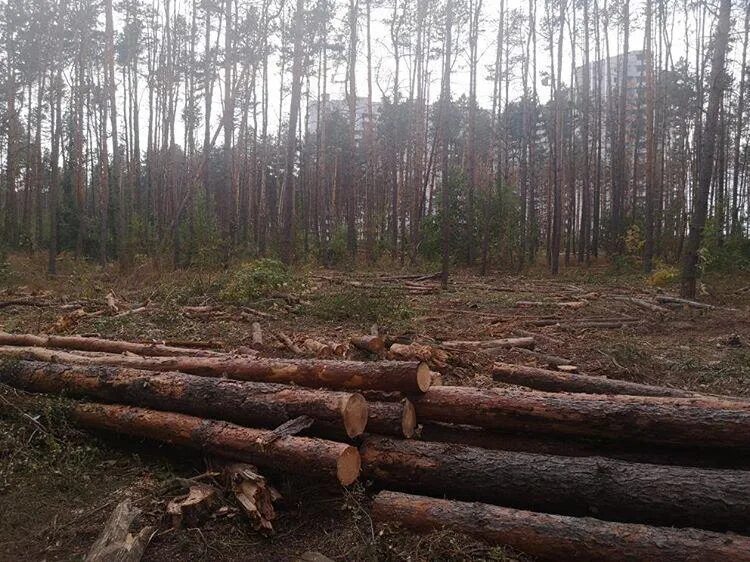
247, 403
392, 418
611, 489
557, 381
299, 455
555, 537
694, 422
403, 376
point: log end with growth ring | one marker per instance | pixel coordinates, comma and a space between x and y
354, 413
424, 377
348, 466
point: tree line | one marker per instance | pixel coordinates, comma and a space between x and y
210, 130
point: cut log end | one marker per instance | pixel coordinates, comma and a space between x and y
348, 466
354, 413
409, 419
424, 377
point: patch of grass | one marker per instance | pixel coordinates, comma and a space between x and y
383, 306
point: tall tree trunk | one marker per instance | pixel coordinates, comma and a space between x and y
445, 103
717, 82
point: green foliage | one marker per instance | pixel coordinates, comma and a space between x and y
723, 254
634, 241
383, 306
256, 279
663, 275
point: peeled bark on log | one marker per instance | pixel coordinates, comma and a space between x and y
582, 447
286, 429
611, 489
404, 376
524, 342
708, 422
102, 345
558, 537
372, 343
246, 403
557, 381
392, 418
116, 543
300, 455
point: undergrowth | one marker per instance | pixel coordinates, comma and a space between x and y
383, 306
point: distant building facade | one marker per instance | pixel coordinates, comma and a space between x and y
328, 106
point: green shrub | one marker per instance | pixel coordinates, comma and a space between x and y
255, 280
382, 306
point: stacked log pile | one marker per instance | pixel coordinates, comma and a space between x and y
572, 465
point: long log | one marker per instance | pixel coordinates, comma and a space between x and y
525, 342
558, 537
404, 376
300, 455
610, 489
697, 422
246, 403
103, 345
558, 381
581, 447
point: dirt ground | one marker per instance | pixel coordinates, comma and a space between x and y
59, 484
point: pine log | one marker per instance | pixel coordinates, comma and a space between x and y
404, 376
301, 455
582, 447
676, 300
525, 342
709, 421
643, 304
611, 489
102, 345
554, 360
372, 343
557, 381
319, 349
392, 418
558, 537
246, 403
568, 304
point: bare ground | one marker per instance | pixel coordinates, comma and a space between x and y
58, 484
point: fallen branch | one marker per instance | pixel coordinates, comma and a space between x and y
286, 429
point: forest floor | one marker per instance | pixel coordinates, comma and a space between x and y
58, 484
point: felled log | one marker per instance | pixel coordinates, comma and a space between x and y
557, 381
563, 304
246, 403
116, 543
101, 345
418, 352
253, 492
392, 418
524, 342
643, 304
371, 343
709, 422
301, 455
558, 537
677, 300
582, 447
404, 376
547, 358
319, 349
193, 508
288, 343
611, 489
